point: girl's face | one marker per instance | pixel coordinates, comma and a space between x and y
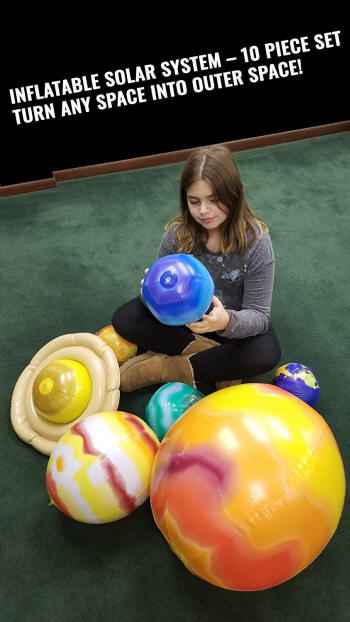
204, 206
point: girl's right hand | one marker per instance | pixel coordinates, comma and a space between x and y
143, 281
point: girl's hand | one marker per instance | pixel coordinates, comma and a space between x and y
217, 319
143, 281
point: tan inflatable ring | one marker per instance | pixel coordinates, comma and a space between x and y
102, 365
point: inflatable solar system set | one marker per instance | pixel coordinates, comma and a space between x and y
247, 484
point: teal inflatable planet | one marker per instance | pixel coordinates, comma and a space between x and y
168, 404
299, 380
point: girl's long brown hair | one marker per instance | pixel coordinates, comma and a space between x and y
215, 165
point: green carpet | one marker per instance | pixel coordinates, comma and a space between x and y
70, 256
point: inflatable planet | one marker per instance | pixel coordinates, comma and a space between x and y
248, 487
168, 404
299, 380
62, 390
177, 289
69, 378
122, 348
100, 469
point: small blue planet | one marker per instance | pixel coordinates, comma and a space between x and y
177, 289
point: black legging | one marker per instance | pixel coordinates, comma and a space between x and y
233, 359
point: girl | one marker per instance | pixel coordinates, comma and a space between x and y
235, 339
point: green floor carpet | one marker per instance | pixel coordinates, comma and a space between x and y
69, 257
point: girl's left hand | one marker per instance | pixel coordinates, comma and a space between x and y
217, 319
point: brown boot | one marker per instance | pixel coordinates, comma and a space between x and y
199, 344
155, 368
222, 384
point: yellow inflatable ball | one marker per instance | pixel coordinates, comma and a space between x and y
100, 469
122, 348
62, 390
248, 487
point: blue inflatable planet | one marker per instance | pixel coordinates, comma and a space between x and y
168, 404
299, 380
177, 289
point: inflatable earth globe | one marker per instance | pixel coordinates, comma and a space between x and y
299, 380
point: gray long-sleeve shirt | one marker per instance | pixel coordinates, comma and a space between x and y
243, 283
